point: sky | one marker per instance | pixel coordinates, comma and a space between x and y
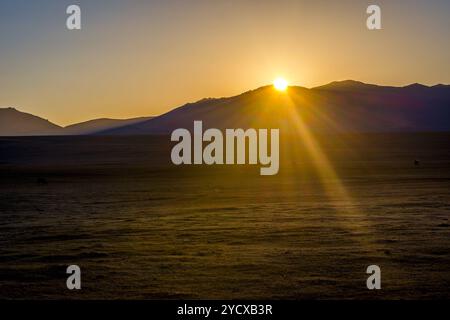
141, 58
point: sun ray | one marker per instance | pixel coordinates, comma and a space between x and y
336, 191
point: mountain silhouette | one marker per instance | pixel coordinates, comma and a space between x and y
16, 123
341, 106
96, 125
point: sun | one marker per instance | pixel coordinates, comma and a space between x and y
280, 84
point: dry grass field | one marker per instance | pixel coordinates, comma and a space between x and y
140, 227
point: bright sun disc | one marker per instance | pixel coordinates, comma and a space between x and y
280, 84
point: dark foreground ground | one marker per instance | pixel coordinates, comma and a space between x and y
141, 228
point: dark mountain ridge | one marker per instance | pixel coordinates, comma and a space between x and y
345, 106
340, 106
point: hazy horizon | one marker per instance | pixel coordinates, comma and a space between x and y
135, 59
106, 117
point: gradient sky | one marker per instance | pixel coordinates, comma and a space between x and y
140, 58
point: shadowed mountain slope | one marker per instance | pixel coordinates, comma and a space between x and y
16, 123
345, 106
92, 126
341, 106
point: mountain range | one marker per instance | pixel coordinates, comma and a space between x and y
16, 123
341, 106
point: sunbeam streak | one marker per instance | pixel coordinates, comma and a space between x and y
338, 195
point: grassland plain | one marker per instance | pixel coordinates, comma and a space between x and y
139, 227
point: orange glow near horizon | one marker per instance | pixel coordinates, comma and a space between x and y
155, 56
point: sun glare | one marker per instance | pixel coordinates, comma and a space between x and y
280, 84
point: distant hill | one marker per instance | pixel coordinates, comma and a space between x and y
343, 106
340, 106
96, 125
16, 123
